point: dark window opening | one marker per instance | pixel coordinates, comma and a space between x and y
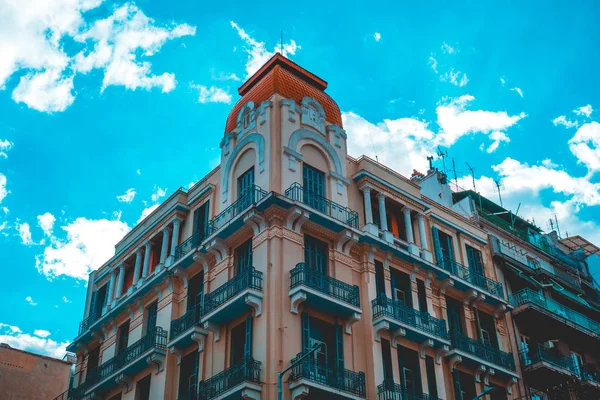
379, 278
401, 289
241, 341
422, 295
142, 388
243, 256
122, 337
244, 185
386, 352
455, 314
188, 375
313, 182
196, 293
151, 315
431, 381
410, 374
475, 260
201, 218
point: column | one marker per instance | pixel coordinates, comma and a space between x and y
121, 281
425, 253
382, 214
138, 266
111, 287
368, 209
165, 245
147, 249
412, 247
175, 238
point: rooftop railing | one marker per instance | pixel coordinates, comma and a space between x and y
190, 318
572, 317
249, 278
334, 210
473, 277
304, 275
383, 306
251, 196
343, 380
389, 390
246, 370
482, 350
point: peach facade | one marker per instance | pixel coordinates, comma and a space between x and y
290, 245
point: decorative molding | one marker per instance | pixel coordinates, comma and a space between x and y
177, 352
301, 134
313, 114
297, 299
346, 239
247, 109
352, 319
441, 353
125, 381
486, 376
424, 345
337, 133
296, 218
168, 299
218, 248
292, 108
214, 328
157, 360
259, 142
262, 111
479, 371
255, 221
509, 384
455, 359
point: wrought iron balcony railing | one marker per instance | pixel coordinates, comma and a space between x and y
336, 211
246, 370
157, 338
71, 394
389, 390
482, 350
590, 374
571, 317
383, 306
539, 354
86, 323
343, 380
250, 278
251, 196
304, 275
190, 318
188, 245
474, 278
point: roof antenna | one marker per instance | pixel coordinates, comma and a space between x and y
557, 227
430, 160
455, 177
499, 188
472, 176
443, 155
281, 43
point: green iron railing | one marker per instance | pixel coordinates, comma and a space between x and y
250, 197
383, 306
190, 318
334, 210
539, 354
188, 245
316, 371
482, 350
246, 370
571, 317
473, 277
249, 278
304, 275
390, 390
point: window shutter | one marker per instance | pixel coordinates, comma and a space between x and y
248, 341
339, 349
437, 245
206, 219
305, 332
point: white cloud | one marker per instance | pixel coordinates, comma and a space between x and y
562, 120
3, 190
433, 63
25, 233
5, 145
128, 196
212, 95
66, 300
258, 54
585, 145
503, 81
30, 301
456, 78
46, 222
456, 121
41, 333
518, 90
147, 211
584, 110
139, 172
39, 342
224, 76
159, 193
446, 48
377, 36
87, 245
497, 137
46, 91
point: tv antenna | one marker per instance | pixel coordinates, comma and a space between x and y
430, 160
499, 187
472, 176
443, 155
455, 177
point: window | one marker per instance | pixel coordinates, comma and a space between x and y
241, 341
455, 310
399, 295
431, 381
401, 287
99, 300
443, 247
93, 360
386, 353
245, 184
316, 253
485, 337
422, 295
151, 314
243, 256
475, 260
246, 119
330, 357
188, 375
122, 337
379, 278
195, 292
313, 182
487, 326
409, 366
142, 388
201, 218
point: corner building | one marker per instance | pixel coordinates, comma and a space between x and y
290, 243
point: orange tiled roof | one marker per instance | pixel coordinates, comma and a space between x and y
280, 75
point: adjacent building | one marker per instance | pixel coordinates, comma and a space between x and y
396, 286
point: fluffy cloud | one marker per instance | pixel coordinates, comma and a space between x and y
86, 246
584, 110
562, 120
39, 342
158, 193
456, 78
24, 233
3, 190
5, 145
497, 137
257, 51
432, 62
147, 211
377, 36
585, 145
46, 222
211, 94
32, 36
30, 301
128, 196
223, 76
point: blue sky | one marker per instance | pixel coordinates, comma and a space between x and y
107, 107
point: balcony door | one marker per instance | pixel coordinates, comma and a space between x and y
409, 366
245, 184
122, 337
313, 182
201, 218
316, 253
327, 363
195, 295
442, 243
188, 375
243, 256
152, 314
240, 345
475, 260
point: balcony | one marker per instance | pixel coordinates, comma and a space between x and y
241, 380
186, 330
71, 394
324, 293
330, 214
188, 246
315, 379
533, 309
473, 278
86, 323
150, 349
476, 353
543, 367
394, 391
234, 298
401, 320
225, 223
